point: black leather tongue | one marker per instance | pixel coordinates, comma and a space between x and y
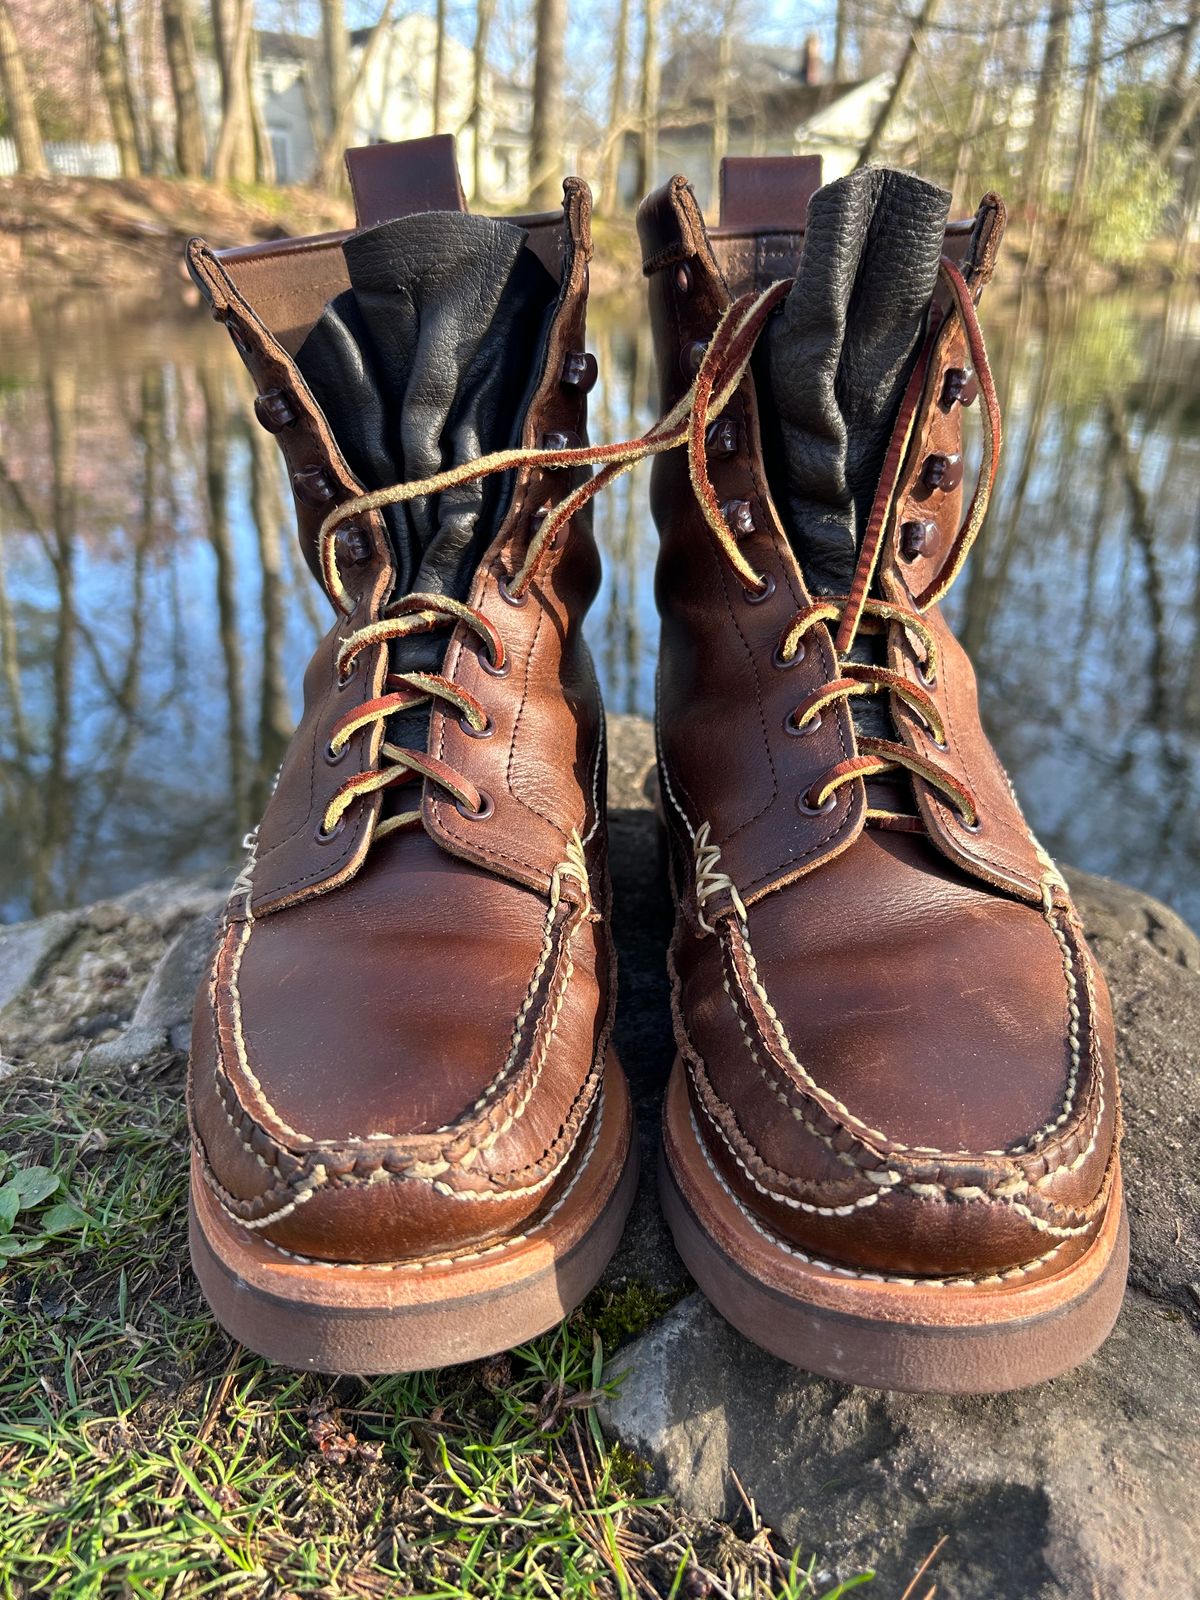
836, 362
427, 361
839, 354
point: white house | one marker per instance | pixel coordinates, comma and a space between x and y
394, 102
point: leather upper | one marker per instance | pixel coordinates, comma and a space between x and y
400, 1043
898, 1049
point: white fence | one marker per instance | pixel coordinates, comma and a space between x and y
69, 160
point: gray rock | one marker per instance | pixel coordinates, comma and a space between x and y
162, 1018
1082, 1487
170, 902
27, 948
1086, 1487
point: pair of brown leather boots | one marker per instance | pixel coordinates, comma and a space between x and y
890, 1136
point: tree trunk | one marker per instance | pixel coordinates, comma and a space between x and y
720, 127
264, 153
1172, 134
484, 11
137, 108
648, 144
899, 93
234, 155
980, 96
330, 170
1040, 148
157, 159
181, 64
613, 140
840, 30
547, 134
115, 84
1085, 149
439, 67
18, 97
335, 50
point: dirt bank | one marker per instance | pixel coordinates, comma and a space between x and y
127, 235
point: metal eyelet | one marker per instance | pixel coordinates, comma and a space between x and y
507, 595
485, 732
801, 730
972, 827
333, 756
343, 679
755, 597
327, 835
938, 745
929, 679
487, 806
493, 671
823, 810
783, 662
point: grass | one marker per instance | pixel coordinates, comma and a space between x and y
143, 1454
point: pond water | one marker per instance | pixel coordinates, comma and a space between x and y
155, 615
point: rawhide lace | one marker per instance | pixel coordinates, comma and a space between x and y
721, 370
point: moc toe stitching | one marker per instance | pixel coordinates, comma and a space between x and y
1010, 1185
436, 1163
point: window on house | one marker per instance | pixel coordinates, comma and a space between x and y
280, 154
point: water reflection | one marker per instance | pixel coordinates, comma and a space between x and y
156, 617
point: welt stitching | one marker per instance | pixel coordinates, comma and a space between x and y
889, 1182
849, 1272
248, 1213
424, 1263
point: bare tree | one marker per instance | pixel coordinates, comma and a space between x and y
484, 12
649, 96
138, 109
1039, 150
439, 67
720, 123
234, 156
335, 50
547, 134
840, 30
330, 172
113, 64
902, 83
157, 159
1089, 127
977, 110
179, 43
18, 97
611, 167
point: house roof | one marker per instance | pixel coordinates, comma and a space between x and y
274, 45
766, 84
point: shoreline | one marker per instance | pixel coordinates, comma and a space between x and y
126, 236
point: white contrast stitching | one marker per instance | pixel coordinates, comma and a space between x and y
1006, 1276
426, 1262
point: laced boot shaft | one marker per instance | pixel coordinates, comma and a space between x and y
891, 1134
411, 1141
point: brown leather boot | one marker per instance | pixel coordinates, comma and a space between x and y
891, 1131
411, 1139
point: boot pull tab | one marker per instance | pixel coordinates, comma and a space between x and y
398, 180
991, 220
